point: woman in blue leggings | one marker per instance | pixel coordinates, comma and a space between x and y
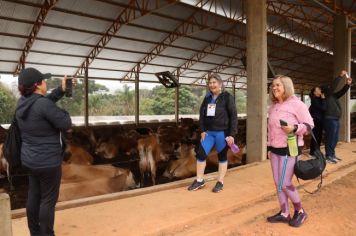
218, 121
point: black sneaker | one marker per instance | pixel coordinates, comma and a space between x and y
196, 185
298, 218
337, 158
331, 160
278, 218
218, 187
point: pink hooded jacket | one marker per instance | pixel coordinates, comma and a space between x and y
294, 112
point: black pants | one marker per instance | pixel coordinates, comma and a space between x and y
332, 127
42, 198
318, 133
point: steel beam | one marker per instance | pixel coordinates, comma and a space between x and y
128, 14
225, 64
297, 24
229, 40
224, 39
229, 9
195, 22
46, 7
91, 16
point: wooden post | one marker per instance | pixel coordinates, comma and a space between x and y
5, 215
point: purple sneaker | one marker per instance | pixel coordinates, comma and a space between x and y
298, 218
278, 218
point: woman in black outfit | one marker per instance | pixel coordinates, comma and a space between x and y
41, 122
317, 109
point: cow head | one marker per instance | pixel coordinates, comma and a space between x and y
185, 150
106, 150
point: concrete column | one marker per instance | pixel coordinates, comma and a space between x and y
342, 60
176, 105
5, 215
86, 95
234, 88
256, 80
137, 96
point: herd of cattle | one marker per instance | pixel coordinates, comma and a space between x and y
111, 159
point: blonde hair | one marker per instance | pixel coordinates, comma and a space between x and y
288, 88
218, 78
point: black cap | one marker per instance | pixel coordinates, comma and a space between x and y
29, 76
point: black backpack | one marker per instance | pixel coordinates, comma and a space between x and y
312, 168
12, 148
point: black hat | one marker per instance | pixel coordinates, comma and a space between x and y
29, 76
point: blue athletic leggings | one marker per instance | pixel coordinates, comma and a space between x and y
213, 138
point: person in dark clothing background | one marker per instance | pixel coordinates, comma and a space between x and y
41, 122
218, 121
332, 115
317, 110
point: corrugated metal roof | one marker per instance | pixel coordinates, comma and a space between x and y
164, 38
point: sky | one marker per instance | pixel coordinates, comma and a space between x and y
111, 85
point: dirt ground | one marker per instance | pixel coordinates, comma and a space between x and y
332, 211
240, 209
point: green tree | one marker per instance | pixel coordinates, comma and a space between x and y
146, 102
188, 101
125, 101
241, 101
75, 104
7, 105
163, 100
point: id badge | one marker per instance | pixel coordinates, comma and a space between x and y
211, 109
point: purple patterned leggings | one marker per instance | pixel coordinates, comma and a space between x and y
288, 190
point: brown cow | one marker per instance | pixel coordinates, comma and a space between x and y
232, 158
169, 138
170, 134
186, 164
78, 155
75, 173
150, 154
188, 122
80, 181
120, 144
100, 186
3, 133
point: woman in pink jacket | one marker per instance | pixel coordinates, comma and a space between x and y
287, 107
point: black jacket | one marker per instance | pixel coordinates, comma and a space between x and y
317, 107
225, 118
40, 122
333, 107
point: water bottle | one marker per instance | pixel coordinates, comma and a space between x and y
292, 145
234, 148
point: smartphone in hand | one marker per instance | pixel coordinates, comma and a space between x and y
283, 123
69, 87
